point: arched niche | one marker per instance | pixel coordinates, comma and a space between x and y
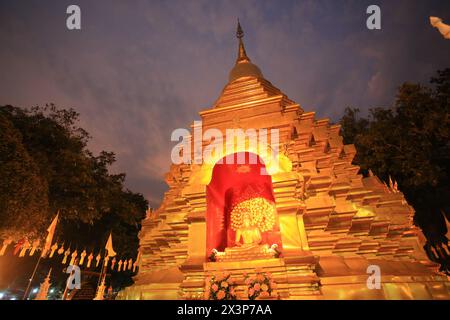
229, 179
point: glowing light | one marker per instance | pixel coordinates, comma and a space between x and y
12, 298
274, 163
2, 295
35, 290
362, 211
52, 290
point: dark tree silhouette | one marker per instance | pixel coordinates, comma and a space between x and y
45, 167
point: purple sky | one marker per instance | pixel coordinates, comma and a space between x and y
139, 69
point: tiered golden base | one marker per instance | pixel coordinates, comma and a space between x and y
295, 279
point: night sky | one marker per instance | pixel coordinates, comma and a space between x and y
139, 69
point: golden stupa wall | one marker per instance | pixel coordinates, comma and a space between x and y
334, 223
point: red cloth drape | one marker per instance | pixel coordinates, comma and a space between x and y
230, 185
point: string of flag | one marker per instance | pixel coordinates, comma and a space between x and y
50, 250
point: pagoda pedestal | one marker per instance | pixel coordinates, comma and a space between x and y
294, 280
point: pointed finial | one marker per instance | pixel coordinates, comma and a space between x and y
239, 32
242, 55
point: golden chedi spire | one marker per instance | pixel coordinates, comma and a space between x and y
243, 66
242, 55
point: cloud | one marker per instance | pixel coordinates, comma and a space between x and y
135, 72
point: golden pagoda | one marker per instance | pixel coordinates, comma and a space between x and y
331, 225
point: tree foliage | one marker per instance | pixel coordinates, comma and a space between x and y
21, 187
46, 167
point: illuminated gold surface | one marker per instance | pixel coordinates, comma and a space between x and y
334, 223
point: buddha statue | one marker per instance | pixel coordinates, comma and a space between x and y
249, 219
252, 214
248, 233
